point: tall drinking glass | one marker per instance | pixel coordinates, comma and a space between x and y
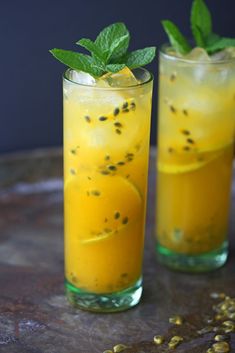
106, 149
195, 154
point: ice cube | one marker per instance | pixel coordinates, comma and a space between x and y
221, 55
198, 54
83, 78
123, 78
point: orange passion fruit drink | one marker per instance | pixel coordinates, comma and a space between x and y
107, 113
195, 144
195, 154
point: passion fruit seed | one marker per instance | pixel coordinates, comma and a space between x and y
125, 105
176, 320
172, 108
119, 348
105, 172
186, 148
118, 131
87, 118
117, 215
185, 132
158, 339
112, 167
185, 112
125, 110
120, 163
117, 124
125, 220
191, 141
95, 192
116, 111
170, 149
103, 118
73, 151
133, 105
107, 158
221, 347
173, 77
72, 171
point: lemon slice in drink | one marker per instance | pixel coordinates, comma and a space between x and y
97, 207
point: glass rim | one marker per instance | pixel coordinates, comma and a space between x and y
150, 79
162, 52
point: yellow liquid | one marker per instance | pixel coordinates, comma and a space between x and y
196, 132
105, 181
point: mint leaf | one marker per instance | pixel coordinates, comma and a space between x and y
89, 45
140, 57
110, 34
199, 38
200, 21
119, 47
176, 38
220, 44
115, 67
108, 53
78, 61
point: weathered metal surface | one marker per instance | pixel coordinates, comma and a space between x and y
34, 314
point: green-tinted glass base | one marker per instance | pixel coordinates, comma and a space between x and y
110, 302
197, 263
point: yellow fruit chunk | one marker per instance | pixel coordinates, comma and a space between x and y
98, 209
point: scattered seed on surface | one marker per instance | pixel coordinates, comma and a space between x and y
185, 112
72, 171
112, 167
172, 108
125, 220
205, 330
102, 118
117, 124
158, 339
220, 338
119, 348
176, 320
118, 131
175, 341
210, 350
116, 111
117, 215
190, 141
87, 118
221, 347
95, 193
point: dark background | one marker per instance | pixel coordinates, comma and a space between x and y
31, 96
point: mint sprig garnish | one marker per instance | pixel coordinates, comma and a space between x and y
108, 53
202, 31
